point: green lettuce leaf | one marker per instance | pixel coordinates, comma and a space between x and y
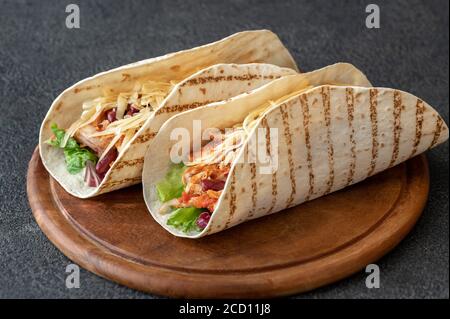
76, 159
185, 219
171, 186
58, 136
74, 155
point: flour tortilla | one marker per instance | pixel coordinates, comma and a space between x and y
267, 59
330, 137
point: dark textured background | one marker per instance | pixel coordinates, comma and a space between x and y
39, 57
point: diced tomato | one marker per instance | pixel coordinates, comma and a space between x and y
185, 197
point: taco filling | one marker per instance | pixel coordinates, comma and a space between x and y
105, 127
190, 190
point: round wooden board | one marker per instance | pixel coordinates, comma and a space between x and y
302, 248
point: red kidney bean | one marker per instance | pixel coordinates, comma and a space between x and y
132, 110
103, 165
215, 185
111, 115
203, 220
101, 176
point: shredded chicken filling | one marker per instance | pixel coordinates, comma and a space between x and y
208, 169
113, 119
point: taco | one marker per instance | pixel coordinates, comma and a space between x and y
94, 136
331, 129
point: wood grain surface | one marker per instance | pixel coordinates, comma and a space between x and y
296, 250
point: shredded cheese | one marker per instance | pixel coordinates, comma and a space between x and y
111, 144
122, 104
226, 151
145, 97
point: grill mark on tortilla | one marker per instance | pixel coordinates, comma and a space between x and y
397, 126
47, 124
305, 110
437, 131
58, 106
127, 181
374, 124
265, 125
145, 137
222, 78
181, 107
420, 108
125, 77
210, 225
254, 189
327, 114
232, 198
132, 162
85, 88
288, 138
251, 213
350, 117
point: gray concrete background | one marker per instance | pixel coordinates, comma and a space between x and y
39, 57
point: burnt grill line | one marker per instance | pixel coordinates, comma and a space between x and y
253, 186
145, 137
350, 117
131, 162
288, 138
374, 126
437, 131
181, 107
265, 125
327, 115
208, 79
397, 126
420, 108
305, 110
232, 198
127, 181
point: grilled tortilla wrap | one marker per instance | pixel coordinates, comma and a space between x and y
329, 137
143, 96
